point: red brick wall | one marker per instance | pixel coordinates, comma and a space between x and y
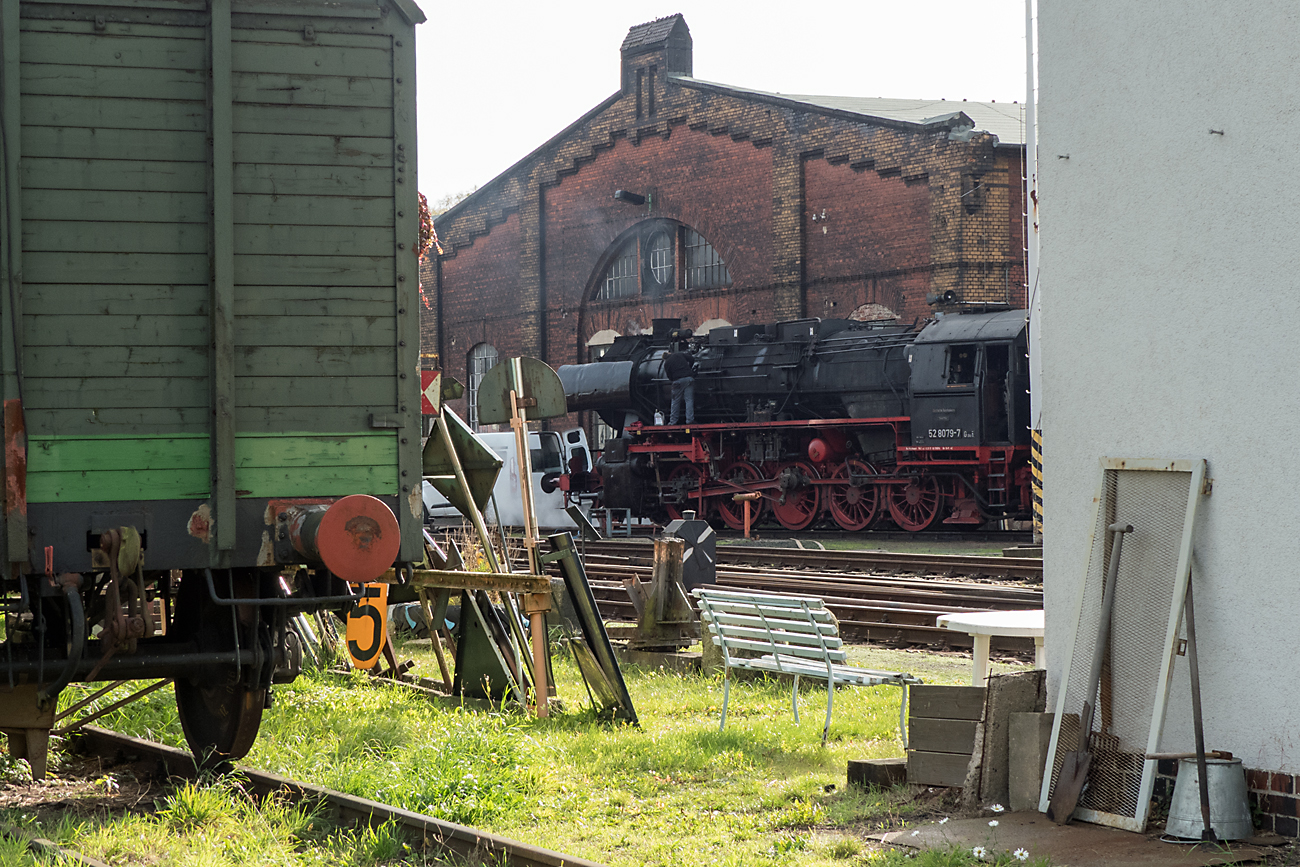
484, 308
716, 186
873, 244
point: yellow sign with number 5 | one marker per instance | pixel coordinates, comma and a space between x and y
368, 626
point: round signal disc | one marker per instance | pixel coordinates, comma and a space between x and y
358, 538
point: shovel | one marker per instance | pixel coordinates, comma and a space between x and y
1074, 770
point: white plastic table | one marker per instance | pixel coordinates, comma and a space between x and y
982, 625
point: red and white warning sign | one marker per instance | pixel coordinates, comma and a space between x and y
430, 387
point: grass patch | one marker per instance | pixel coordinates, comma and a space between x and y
676, 791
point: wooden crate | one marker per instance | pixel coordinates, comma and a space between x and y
941, 733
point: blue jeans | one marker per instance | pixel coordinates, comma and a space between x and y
683, 388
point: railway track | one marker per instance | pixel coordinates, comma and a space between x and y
889, 608
343, 809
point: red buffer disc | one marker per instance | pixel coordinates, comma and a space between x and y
358, 538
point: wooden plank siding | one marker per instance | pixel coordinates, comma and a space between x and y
117, 239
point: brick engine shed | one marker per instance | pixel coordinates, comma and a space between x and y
738, 207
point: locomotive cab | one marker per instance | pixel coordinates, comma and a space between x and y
969, 381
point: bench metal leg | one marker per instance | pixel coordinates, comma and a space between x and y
726, 694
902, 715
830, 700
794, 699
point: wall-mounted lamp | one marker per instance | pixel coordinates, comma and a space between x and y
629, 197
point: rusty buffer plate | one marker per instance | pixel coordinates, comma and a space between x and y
358, 538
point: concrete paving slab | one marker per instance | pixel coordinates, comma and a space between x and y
1076, 845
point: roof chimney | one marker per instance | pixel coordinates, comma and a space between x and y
664, 44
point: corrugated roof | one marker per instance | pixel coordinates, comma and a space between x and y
1006, 120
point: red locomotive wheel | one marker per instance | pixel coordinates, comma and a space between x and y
683, 492
914, 506
797, 502
741, 473
855, 503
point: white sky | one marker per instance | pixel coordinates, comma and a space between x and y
497, 78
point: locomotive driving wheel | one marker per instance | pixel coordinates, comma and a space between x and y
798, 501
915, 506
684, 483
855, 501
741, 473
219, 711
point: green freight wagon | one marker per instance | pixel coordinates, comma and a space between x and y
208, 340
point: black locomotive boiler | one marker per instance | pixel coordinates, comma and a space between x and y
850, 421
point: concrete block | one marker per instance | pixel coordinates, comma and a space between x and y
1025, 692
881, 773
1030, 734
711, 656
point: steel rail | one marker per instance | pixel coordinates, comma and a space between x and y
345, 809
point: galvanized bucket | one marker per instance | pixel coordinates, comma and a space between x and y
1229, 809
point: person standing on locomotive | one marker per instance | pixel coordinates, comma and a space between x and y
679, 367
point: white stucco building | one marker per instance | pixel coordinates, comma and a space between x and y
1169, 164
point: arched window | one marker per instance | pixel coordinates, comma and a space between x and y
659, 257
482, 358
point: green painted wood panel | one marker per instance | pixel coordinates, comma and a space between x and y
302, 58
316, 482
324, 393
313, 270
117, 205
112, 174
335, 90
114, 237
315, 331
128, 420
118, 361
45, 299
280, 39
131, 268
134, 114
316, 450
75, 330
93, 392
318, 303
116, 467
272, 419
290, 180
314, 210
313, 241
61, 79
324, 360
72, 143
302, 119
181, 48
110, 485
314, 150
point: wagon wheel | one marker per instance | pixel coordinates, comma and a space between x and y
219, 713
798, 502
914, 506
683, 492
732, 513
854, 504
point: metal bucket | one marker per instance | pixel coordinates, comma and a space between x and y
1229, 809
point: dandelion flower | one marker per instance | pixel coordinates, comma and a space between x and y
993, 823
997, 808
943, 821
1021, 854
979, 852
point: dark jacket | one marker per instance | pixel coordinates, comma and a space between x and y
679, 365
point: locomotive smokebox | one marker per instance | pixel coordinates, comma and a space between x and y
356, 538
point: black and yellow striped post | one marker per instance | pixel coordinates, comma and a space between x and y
1036, 462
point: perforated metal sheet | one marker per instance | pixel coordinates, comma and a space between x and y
1159, 499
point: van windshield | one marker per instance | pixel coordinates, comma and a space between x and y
548, 458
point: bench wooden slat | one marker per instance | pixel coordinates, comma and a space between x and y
793, 635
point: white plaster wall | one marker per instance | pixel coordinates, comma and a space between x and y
1170, 264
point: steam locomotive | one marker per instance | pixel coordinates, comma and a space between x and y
822, 419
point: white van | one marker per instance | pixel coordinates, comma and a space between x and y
551, 455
